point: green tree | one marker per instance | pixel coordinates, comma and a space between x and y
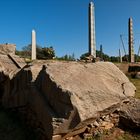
48, 53
125, 58
137, 58
26, 51
42, 53
105, 56
67, 57
114, 59
73, 57
83, 56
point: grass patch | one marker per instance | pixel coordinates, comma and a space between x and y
129, 136
136, 82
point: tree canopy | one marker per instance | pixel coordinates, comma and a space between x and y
98, 54
67, 57
42, 53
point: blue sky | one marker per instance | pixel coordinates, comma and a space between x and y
63, 24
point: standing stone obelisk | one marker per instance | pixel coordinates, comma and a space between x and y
131, 41
120, 56
101, 52
33, 55
92, 41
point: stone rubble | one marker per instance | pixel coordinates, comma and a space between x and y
98, 127
127, 115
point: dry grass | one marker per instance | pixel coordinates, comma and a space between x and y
136, 82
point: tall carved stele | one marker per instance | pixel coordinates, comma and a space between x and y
101, 52
120, 56
92, 40
131, 41
33, 55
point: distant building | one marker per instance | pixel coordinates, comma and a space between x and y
7, 48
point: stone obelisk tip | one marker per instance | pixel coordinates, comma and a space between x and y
33, 55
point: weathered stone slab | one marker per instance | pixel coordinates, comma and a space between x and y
7, 48
7, 63
11, 64
66, 94
19, 62
130, 114
89, 88
57, 137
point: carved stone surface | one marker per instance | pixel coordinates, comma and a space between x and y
131, 41
92, 40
